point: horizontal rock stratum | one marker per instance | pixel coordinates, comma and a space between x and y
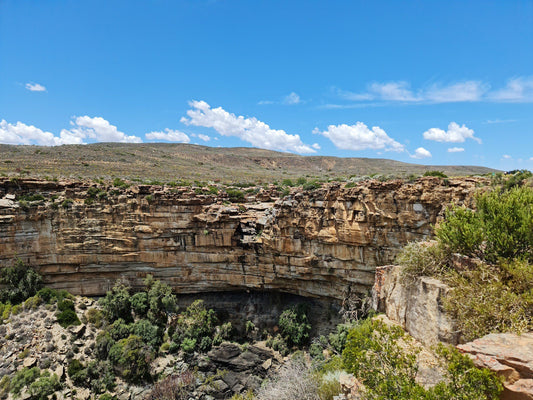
323, 243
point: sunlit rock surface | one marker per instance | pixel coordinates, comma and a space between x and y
324, 243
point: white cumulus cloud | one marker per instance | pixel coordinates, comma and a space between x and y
455, 149
97, 128
507, 156
169, 135
360, 137
454, 134
421, 153
35, 87
251, 130
20, 133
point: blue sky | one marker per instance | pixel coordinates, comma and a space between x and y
432, 82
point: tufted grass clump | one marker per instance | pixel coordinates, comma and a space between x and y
422, 259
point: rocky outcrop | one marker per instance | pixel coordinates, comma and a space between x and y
510, 356
323, 243
415, 304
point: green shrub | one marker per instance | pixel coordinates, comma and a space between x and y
95, 317
294, 326
161, 301
502, 226
278, 343
131, 358
119, 329
24, 377
151, 334
117, 182
44, 386
311, 185
22, 282
97, 375
195, 323
103, 345
67, 203
439, 174
301, 181
388, 370
287, 182
235, 195
139, 303
117, 303
67, 318
188, 345
463, 379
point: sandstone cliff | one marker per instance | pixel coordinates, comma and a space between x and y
324, 243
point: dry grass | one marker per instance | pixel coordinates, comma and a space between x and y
170, 162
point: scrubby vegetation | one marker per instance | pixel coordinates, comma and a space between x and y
384, 359
493, 285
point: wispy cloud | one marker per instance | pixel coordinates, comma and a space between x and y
360, 137
291, 99
454, 134
456, 149
516, 90
499, 121
35, 87
251, 130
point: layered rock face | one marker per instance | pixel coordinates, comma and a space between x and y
324, 243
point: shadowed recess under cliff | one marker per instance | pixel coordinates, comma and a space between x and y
323, 243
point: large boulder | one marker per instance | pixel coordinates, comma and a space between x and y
415, 304
510, 356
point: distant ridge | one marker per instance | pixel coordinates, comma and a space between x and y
174, 161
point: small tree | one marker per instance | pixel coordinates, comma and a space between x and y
117, 303
22, 282
294, 326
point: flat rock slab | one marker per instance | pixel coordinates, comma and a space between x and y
510, 356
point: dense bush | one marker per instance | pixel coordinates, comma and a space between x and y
161, 301
439, 174
39, 384
22, 282
96, 375
294, 326
131, 358
502, 226
235, 195
388, 370
117, 304
193, 325
66, 314
151, 334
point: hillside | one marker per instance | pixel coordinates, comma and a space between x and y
167, 162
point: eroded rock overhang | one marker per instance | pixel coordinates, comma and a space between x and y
324, 243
